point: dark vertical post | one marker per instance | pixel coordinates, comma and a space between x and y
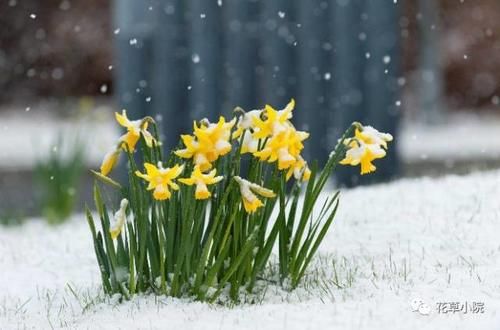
312, 56
241, 52
430, 79
169, 70
277, 49
348, 64
382, 71
206, 61
132, 28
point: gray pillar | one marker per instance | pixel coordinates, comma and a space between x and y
241, 52
169, 71
314, 73
132, 29
380, 79
276, 52
430, 79
205, 59
348, 61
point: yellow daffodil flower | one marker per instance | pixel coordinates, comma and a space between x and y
275, 122
120, 218
363, 153
249, 143
201, 181
161, 179
134, 130
248, 190
202, 154
371, 135
284, 147
109, 162
367, 145
127, 141
299, 170
208, 143
246, 122
217, 134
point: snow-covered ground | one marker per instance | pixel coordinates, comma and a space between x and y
29, 135
458, 137
434, 240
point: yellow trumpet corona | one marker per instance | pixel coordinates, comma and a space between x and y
161, 179
201, 181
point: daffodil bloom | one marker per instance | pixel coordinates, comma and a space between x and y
218, 134
362, 153
209, 142
275, 122
120, 218
249, 143
128, 140
248, 190
202, 153
370, 135
134, 130
246, 122
299, 170
284, 147
248, 118
201, 181
109, 162
161, 179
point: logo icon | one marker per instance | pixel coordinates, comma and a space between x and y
418, 305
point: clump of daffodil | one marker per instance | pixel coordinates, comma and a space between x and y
179, 246
161, 179
119, 219
201, 181
248, 190
208, 142
127, 141
367, 145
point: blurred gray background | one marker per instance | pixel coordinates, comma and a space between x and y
423, 70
